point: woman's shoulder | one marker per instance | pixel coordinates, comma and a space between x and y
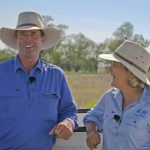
111, 92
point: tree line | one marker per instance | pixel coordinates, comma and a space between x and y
76, 52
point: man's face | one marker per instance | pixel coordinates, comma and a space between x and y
29, 43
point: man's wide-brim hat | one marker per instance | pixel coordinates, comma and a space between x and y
30, 21
134, 57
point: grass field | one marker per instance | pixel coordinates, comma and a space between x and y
88, 88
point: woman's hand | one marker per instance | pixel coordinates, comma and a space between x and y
93, 137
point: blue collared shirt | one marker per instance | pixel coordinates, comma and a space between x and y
29, 110
132, 130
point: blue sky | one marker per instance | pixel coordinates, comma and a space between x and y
96, 19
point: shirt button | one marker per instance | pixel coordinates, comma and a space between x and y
134, 121
113, 112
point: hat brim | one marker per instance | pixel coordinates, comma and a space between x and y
138, 73
9, 38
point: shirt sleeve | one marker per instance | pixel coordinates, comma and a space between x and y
67, 106
96, 114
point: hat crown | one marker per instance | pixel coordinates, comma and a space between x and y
29, 19
134, 54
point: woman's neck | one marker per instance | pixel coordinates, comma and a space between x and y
130, 95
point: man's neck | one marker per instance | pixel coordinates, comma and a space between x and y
28, 64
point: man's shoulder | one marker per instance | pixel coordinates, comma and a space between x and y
6, 63
51, 67
6, 68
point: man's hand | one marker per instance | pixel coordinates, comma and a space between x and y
63, 129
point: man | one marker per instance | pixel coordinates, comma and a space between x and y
36, 104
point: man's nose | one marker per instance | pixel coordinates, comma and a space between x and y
28, 37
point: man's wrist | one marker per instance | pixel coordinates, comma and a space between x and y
72, 122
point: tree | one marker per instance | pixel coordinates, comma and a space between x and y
6, 54
125, 31
46, 20
140, 40
114, 44
77, 52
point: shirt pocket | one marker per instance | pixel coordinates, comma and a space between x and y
108, 116
11, 104
138, 128
139, 124
49, 105
108, 122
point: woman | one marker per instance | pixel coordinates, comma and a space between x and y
123, 113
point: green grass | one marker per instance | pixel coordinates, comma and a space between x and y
88, 88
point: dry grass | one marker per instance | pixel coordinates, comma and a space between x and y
88, 88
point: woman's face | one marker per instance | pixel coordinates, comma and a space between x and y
120, 75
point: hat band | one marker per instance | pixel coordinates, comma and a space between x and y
130, 62
27, 24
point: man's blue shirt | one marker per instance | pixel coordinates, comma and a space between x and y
30, 109
132, 130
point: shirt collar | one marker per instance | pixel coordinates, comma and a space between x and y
18, 65
38, 65
143, 99
145, 95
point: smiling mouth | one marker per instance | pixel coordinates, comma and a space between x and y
28, 46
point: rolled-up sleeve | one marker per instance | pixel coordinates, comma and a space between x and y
96, 114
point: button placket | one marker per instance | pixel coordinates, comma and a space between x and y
31, 93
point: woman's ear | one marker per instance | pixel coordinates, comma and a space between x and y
43, 38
